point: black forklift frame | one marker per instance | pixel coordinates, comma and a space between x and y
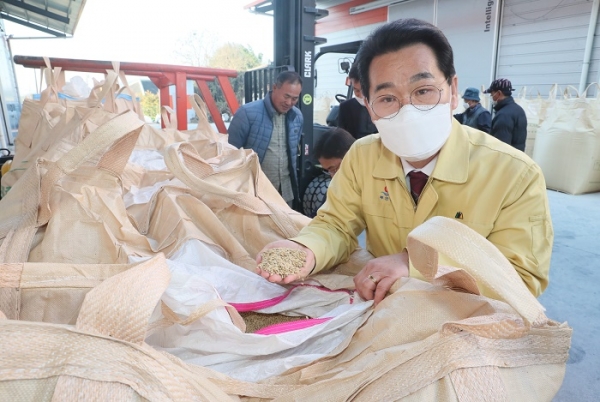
294, 50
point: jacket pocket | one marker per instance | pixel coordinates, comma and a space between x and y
382, 210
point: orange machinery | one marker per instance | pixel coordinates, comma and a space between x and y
163, 76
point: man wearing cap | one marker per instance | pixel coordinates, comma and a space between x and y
510, 122
475, 115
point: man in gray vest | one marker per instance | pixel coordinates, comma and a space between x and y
475, 115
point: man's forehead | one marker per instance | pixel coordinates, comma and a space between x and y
413, 79
331, 164
423, 75
412, 64
290, 89
290, 86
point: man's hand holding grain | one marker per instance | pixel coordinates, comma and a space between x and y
281, 262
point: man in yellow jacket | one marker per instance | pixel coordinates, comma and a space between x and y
423, 164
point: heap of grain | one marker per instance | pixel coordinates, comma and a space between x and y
282, 261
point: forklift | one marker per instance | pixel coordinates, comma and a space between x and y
295, 41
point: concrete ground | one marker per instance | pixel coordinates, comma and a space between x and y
573, 293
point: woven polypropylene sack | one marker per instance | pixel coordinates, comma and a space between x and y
27, 208
50, 292
536, 109
54, 123
106, 358
568, 145
425, 341
241, 198
441, 340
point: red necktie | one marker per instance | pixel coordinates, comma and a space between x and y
417, 182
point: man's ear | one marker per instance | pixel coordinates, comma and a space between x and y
368, 106
454, 93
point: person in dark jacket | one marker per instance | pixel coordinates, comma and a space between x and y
510, 122
353, 115
475, 115
272, 127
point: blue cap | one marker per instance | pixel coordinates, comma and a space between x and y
471, 94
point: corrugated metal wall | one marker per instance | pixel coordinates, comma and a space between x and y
542, 43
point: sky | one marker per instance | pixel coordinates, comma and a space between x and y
143, 31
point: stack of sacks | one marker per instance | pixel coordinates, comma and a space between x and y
568, 143
536, 110
138, 245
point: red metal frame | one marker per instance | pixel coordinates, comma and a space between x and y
163, 76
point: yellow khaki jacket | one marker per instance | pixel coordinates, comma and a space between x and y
486, 184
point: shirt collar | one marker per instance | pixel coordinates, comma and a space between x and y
452, 162
427, 169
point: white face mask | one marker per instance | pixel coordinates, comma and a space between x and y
466, 105
416, 135
494, 102
361, 101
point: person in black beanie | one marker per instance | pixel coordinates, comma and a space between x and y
510, 122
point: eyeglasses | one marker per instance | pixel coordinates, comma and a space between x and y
331, 171
422, 98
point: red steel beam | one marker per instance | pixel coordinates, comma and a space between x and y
85, 65
169, 76
212, 106
161, 82
229, 94
162, 75
181, 100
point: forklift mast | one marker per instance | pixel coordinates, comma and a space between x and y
294, 50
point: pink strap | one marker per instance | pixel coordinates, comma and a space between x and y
259, 305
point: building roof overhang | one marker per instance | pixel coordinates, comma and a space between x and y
55, 17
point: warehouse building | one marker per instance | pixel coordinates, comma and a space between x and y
534, 43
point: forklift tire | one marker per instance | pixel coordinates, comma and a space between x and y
315, 195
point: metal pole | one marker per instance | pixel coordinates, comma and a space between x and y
498, 34
589, 44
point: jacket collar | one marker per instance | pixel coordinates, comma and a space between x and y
473, 109
269, 105
452, 164
506, 101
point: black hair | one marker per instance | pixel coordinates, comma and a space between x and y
334, 143
399, 34
291, 77
353, 73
